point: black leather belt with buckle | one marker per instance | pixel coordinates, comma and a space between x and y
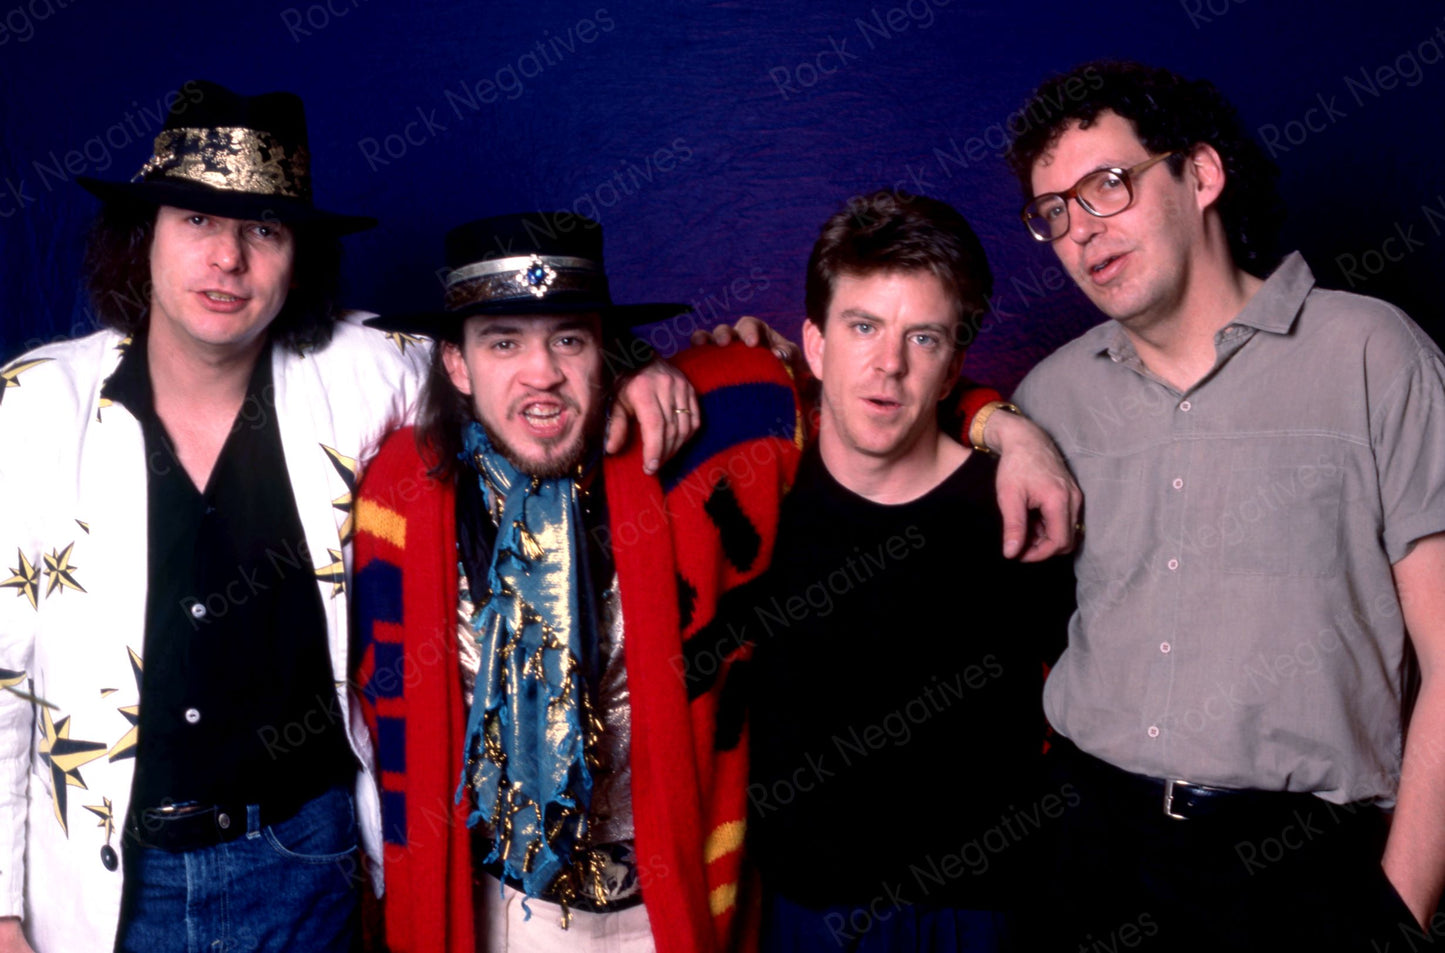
181, 827
1184, 800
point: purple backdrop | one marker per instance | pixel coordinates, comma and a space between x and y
711, 139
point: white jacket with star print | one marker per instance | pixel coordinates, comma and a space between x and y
73, 569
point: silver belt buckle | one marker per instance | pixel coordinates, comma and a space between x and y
1169, 799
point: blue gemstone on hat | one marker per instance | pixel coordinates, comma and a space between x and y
536, 275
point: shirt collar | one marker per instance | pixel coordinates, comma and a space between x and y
1277, 303
1273, 308
129, 385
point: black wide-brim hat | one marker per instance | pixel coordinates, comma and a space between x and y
235, 156
537, 263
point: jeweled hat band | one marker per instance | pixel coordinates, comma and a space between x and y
231, 158
524, 278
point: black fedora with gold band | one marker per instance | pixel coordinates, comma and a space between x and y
235, 156
537, 263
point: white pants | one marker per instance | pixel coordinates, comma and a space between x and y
503, 927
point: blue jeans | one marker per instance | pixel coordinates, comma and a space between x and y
287, 886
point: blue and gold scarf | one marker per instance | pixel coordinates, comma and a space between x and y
526, 743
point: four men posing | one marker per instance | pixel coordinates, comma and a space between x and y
1262, 472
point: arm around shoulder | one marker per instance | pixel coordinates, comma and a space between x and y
1032, 477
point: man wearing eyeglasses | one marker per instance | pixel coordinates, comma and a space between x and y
1264, 465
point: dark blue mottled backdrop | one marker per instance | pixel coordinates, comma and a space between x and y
712, 139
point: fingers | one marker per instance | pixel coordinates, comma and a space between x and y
676, 402
693, 418
616, 430
666, 407
754, 333
652, 425
1058, 528
787, 352
722, 335
1014, 509
1054, 533
688, 421
750, 330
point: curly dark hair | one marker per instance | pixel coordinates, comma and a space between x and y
118, 276
1168, 113
896, 231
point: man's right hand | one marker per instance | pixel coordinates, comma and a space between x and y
12, 938
1033, 478
754, 333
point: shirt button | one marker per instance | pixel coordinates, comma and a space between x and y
223, 821
193, 715
1173, 564
1164, 647
1178, 483
198, 611
1185, 406
1153, 731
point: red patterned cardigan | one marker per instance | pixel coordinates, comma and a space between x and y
680, 539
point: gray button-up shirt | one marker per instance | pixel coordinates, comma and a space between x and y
1238, 623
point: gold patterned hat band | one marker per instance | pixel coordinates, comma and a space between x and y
231, 158
240, 157
532, 263
528, 278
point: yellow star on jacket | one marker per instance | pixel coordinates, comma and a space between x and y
106, 813
105, 402
335, 573
401, 339
9, 679
346, 469
10, 376
125, 747
26, 579
65, 758
60, 574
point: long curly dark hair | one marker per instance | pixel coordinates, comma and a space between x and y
118, 276
1168, 113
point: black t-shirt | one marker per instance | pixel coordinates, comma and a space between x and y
896, 711
237, 699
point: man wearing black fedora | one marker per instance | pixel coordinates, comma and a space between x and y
178, 502
524, 603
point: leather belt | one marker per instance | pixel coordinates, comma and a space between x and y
182, 827
1183, 800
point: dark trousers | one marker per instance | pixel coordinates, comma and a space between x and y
789, 927
1294, 873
